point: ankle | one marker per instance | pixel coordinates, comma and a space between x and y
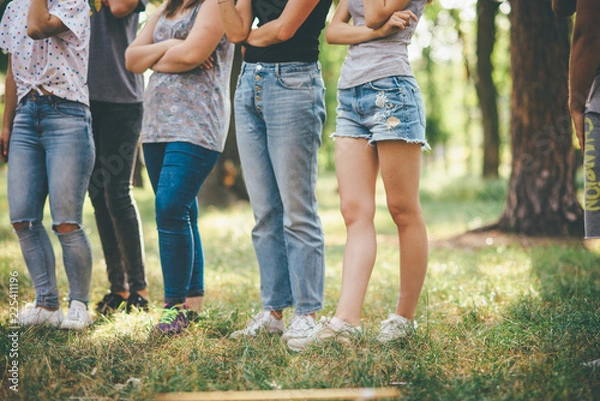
144, 293
348, 320
195, 304
123, 294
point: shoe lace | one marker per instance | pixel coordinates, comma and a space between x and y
169, 315
304, 322
395, 323
73, 314
258, 320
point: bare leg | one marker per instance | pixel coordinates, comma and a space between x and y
356, 169
400, 169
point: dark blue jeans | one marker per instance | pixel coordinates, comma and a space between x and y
177, 171
116, 128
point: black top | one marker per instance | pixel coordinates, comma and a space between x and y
303, 46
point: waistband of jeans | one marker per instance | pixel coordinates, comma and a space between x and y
37, 98
277, 68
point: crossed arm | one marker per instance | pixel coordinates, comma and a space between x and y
237, 20
340, 31
40, 23
176, 55
377, 12
121, 8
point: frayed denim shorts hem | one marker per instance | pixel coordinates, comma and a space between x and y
386, 109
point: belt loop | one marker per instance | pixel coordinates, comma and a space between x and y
277, 70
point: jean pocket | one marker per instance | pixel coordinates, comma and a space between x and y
296, 80
71, 109
389, 84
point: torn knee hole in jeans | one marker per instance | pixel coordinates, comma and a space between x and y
64, 228
18, 226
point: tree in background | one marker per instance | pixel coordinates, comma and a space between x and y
541, 195
486, 88
225, 184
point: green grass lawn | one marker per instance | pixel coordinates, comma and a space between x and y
496, 322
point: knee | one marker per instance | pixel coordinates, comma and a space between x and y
119, 200
20, 225
169, 211
404, 215
354, 211
64, 228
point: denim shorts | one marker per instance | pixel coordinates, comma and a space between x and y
382, 110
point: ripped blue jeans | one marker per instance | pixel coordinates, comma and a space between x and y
51, 154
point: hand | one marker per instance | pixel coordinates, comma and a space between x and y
4, 141
397, 22
579, 122
208, 64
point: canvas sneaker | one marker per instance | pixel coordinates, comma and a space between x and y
77, 317
31, 314
110, 303
262, 321
299, 327
395, 327
136, 302
327, 329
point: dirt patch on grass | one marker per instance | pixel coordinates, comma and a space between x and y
483, 238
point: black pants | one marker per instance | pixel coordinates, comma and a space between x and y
116, 128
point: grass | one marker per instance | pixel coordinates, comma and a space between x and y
499, 322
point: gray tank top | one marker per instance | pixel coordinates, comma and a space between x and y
193, 106
379, 58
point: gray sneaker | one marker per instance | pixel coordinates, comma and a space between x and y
327, 329
262, 321
299, 327
395, 327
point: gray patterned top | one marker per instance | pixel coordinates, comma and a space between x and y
192, 106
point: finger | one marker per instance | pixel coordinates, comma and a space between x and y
401, 16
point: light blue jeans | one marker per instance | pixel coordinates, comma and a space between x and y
51, 154
279, 116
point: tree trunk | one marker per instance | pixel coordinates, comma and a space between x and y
225, 184
486, 88
541, 197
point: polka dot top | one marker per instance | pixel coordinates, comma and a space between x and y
58, 63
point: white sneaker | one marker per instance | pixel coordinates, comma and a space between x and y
395, 327
299, 327
261, 321
30, 315
77, 317
327, 329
